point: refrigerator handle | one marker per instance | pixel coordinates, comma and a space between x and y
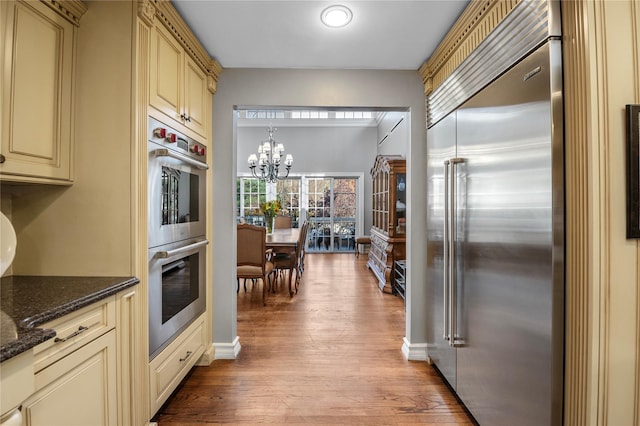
453, 296
445, 250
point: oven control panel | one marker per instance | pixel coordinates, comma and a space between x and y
169, 138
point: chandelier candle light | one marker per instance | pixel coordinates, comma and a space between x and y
269, 158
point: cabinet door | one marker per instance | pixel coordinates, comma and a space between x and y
80, 389
196, 97
166, 73
37, 93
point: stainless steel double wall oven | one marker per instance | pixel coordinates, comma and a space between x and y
177, 233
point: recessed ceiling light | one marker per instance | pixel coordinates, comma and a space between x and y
336, 16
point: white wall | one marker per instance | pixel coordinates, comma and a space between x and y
315, 149
321, 88
332, 150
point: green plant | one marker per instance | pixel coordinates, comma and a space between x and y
271, 208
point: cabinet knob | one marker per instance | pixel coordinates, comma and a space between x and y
2, 159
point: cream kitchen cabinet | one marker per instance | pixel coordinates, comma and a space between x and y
86, 375
169, 367
178, 86
129, 346
75, 373
79, 389
16, 384
38, 54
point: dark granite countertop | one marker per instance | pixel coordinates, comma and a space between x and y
29, 301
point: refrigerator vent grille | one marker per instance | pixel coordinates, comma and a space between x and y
527, 26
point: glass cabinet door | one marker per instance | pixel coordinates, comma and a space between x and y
401, 203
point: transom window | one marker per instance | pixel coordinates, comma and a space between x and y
302, 114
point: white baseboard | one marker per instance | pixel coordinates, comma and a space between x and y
227, 350
415, 351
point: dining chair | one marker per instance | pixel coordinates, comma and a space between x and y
302, 240
254, 260
291, 261
282, 222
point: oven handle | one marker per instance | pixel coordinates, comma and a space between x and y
164, 152
189, 247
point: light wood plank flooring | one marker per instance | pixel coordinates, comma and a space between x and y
329, 355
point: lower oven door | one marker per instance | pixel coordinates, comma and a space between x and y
176, 290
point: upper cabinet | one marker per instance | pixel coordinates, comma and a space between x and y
178, 85
38, 54
389, 195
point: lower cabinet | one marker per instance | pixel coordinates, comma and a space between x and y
384, 251
171, 365
79, 389
87, 374
129, 346
16, 384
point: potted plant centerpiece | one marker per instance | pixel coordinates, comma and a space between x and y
270, 209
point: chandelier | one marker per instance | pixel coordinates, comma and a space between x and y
269, 159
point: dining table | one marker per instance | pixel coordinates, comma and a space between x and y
284, 240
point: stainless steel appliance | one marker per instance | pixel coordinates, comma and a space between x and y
176, 290
496, 224
177, 170
177, 230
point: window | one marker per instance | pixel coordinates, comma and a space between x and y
354, 115
264, 114
310, 114
332, 214
288, 191
319, 197
250, 193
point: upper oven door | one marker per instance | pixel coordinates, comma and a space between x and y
176, 194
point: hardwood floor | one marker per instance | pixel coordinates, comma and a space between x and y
329, 355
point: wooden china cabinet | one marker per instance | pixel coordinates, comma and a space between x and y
388, 232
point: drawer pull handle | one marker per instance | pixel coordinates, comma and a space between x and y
81, 329
186, 357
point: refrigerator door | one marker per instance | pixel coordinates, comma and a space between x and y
505, 369
441, 148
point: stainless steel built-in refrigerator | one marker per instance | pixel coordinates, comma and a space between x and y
496, 244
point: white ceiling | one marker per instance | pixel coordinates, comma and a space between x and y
383, 34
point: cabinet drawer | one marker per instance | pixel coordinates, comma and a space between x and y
173, 364
75, 330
